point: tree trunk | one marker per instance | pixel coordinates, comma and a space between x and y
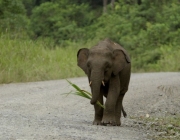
104, 6
139, 2
105, 2
112, 4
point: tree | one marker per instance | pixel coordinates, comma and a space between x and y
12, 15
105, 2
139, 2
53, 20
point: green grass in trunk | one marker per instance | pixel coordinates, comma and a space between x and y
82, 93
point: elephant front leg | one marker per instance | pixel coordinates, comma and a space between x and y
98, 112
109, 116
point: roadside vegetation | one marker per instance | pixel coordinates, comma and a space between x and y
39, 39
26, 60
160, 128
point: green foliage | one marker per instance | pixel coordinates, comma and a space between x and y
170, 58
12, 15
149, 30
27, 60
143, 30
53, 20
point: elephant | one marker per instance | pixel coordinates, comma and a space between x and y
108, 68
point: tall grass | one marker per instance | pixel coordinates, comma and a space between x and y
23, 60
170, 58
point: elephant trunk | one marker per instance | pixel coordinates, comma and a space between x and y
96, 80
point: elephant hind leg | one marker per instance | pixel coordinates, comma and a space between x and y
124, 112
122, 93
118, 109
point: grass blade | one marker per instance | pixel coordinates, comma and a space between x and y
82, 93
73, 85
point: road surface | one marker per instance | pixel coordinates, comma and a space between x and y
39, 110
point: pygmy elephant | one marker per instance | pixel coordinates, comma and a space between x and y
108, 68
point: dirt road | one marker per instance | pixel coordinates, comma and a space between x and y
38, 110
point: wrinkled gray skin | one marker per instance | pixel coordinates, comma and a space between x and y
106, 63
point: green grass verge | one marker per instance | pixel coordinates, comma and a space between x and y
25, 60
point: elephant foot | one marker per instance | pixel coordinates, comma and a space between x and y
118, 119
118, 123
108, 123
97, 122
109, 120
112, 123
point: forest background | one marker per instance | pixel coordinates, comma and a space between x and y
39, 39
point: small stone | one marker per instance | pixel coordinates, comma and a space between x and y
170, 126
147, 115
173, 132
161, 133
156, 119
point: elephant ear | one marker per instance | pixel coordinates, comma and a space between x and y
126, 54
82, 57
120, 60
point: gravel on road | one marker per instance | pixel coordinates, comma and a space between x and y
39, 110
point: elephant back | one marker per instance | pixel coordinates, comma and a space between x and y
114, 46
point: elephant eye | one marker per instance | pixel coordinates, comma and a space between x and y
88, 65
106, 70
107, 65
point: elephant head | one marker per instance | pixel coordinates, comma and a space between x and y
100, 63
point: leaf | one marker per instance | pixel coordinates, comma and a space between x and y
73, 85
82, 93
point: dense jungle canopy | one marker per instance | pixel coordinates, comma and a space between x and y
148, 29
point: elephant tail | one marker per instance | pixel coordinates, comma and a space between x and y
124, 112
